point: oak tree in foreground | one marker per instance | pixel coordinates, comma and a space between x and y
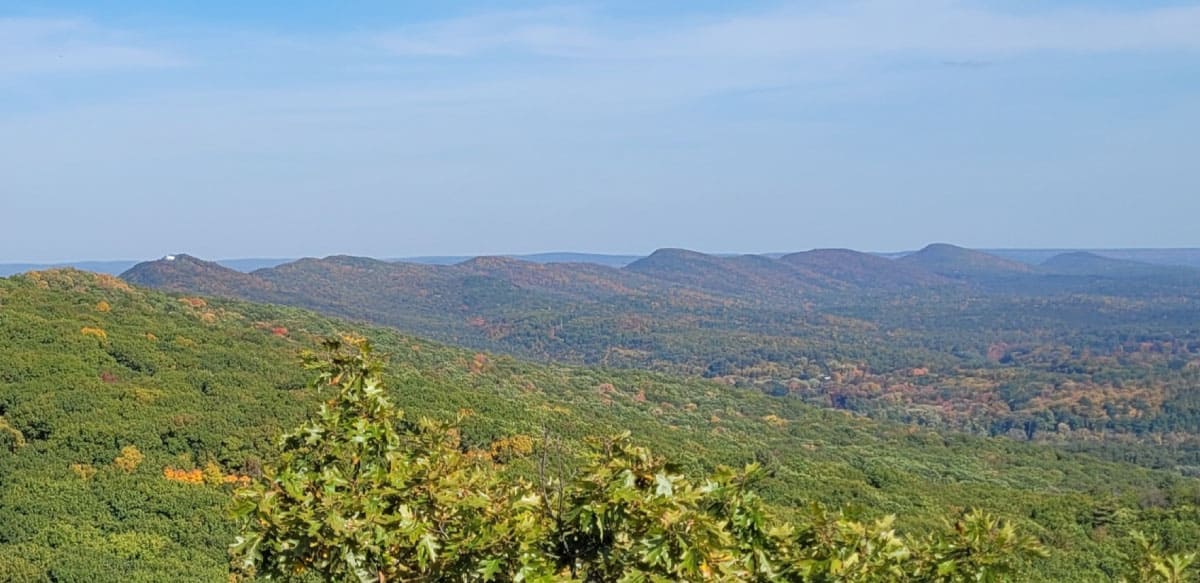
363, 493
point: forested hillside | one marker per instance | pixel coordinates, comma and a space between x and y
129, 414
1083, 351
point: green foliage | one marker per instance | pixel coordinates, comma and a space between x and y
364, 494
632, 516
202, 384
1153, 565
948, 337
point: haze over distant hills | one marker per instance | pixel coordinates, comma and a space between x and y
958, 262
1089, 263
1189, 257
116, 267
751, 276
775, 323
864, 269
670, 274
639, 314
1182, 257
555, 257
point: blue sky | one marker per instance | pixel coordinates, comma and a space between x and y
235, 129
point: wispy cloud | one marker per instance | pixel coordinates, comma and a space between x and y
967, 63
957, 29
45, 46
546, 32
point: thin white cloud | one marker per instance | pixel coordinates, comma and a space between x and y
955, 28
45, 46
546, 32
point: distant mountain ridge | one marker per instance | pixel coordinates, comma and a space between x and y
1187, 257
117, 267
570, 311
864, 269
360, 286
609, 260
184, 273
350, 282
741, 276
1181, 257
962, 263
835, 327
1087, 263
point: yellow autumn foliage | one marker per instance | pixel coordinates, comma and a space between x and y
516, 446
210, 475
130, 459
84, 471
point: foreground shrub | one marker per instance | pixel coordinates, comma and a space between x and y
363, 493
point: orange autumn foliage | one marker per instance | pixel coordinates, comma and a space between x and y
184, 476
479, 362
193, 302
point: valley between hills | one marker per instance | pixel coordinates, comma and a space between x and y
1060, 396
1081, 350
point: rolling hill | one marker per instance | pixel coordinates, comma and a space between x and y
1090, 264
962, 263
607, 260
113, 396
1091, 361
864, 270
119, 267
754, 278
183, 272
1180, 257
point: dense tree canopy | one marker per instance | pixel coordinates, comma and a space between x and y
202, 389
364, 493
950, 338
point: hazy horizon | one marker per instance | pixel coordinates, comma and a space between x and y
225, 130
402, 257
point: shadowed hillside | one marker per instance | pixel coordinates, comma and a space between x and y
864, 270
752, 277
